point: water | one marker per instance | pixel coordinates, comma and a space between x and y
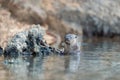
99, 60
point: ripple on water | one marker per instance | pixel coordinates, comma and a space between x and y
98, 61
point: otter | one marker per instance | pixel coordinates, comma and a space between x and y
71, 47
71, 44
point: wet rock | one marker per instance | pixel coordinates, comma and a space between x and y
11, 52
25, 42
29, 42
1, 51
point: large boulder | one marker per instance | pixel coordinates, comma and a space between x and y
29, 42
25, 42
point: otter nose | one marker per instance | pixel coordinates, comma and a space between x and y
67, 39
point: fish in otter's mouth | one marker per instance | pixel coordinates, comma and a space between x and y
67, 42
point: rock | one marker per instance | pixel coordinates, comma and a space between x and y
26, 41
29, 42
1, 51
11, 52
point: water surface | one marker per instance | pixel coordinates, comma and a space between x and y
98, 60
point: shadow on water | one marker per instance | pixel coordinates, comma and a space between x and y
98, 60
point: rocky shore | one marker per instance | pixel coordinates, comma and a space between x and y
29, 42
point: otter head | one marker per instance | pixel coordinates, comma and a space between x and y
71, 39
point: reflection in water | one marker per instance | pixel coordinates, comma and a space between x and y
97, 61
72, 62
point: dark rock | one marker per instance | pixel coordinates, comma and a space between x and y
11, 52
29, 42
1, 51
26, 42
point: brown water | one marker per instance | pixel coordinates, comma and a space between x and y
98, 61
